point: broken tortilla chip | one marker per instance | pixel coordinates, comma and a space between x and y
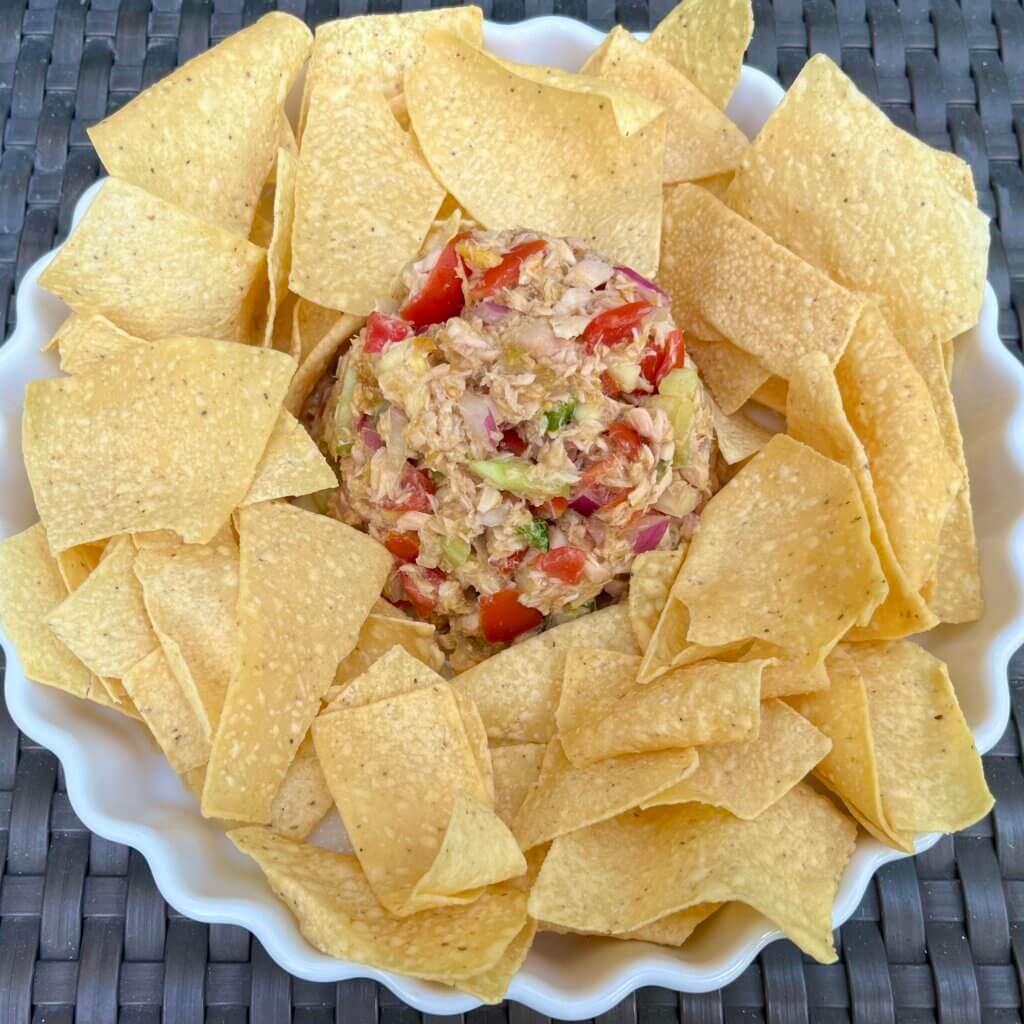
291, 464
650, 583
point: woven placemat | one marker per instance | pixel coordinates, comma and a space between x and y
84, 934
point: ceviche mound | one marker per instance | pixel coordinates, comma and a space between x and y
516, 428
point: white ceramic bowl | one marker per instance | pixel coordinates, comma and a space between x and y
124, 791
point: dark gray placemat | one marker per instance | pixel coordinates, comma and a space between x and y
85, 936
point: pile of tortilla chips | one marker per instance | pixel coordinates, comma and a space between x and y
718, 735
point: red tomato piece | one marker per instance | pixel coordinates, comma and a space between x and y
422, 593
625, 440
658, 363
417, 487
554, 507
508, 565
503, 617
609, 385
441, 296
404, 545
383, 330
511, 441
614, 326
506, 273
565, 564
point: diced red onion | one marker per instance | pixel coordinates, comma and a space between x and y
371, 439
491, 312
650, 534
584, 503
479, 417
362, 421
642, 281
597, 529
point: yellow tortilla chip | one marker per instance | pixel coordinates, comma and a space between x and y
516, 768
517, 689
747, 778
490, 986
604, 712
768, 302
306, 584
291, 465
784, 555
957, 174
738, 436
135, 473
929, 774
316, 363
405, 766
155, 269
310, 323
782, 677
772, 395
279, 246
191, 595
716, 184
733, 375
700, 140
650, 583
394, 670
76, 563
486, 131
166, 709
30, 589
567, 797
954, 594
104, 622
915, 479
303, 798
89, 341
349, 244
706, 40
815, 416
337, 912
671, 930
786, 863
832, 179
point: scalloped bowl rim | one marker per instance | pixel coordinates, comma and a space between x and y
136, 799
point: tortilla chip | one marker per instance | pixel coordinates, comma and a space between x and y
306, 584
517, 689
487, 131
782, 677
490, 986
136, 472
650, 583
915, 478
90, 341
337, 912
954, 594
76, 563
732, 375
706, 40
516, 768
31, 588
349, 244
303, 798
815, 416
811, 551
831, 178
747, 778
205, 136
671, 930
392, 671
279, 246
310, 323
738, 436
700, 140
191, 595
155, 269
316, 363
929, 775
100, 693
772, 395
104, 622
432, 788
786, 863
291, 465
716, 184
166, 709
757, 294
604, 712
567, 797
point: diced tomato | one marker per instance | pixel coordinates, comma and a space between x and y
609, 385
441, 296
512, 441
508, 565
658, 363
625, 440
503, 617
506, 273
422, 594
553, 508
403, 544
383, 330
565, 564
597, 471
417, 487
614, 326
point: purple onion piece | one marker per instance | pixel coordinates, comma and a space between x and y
371, 439
491, 312
584, 503
650, 534
642, 281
